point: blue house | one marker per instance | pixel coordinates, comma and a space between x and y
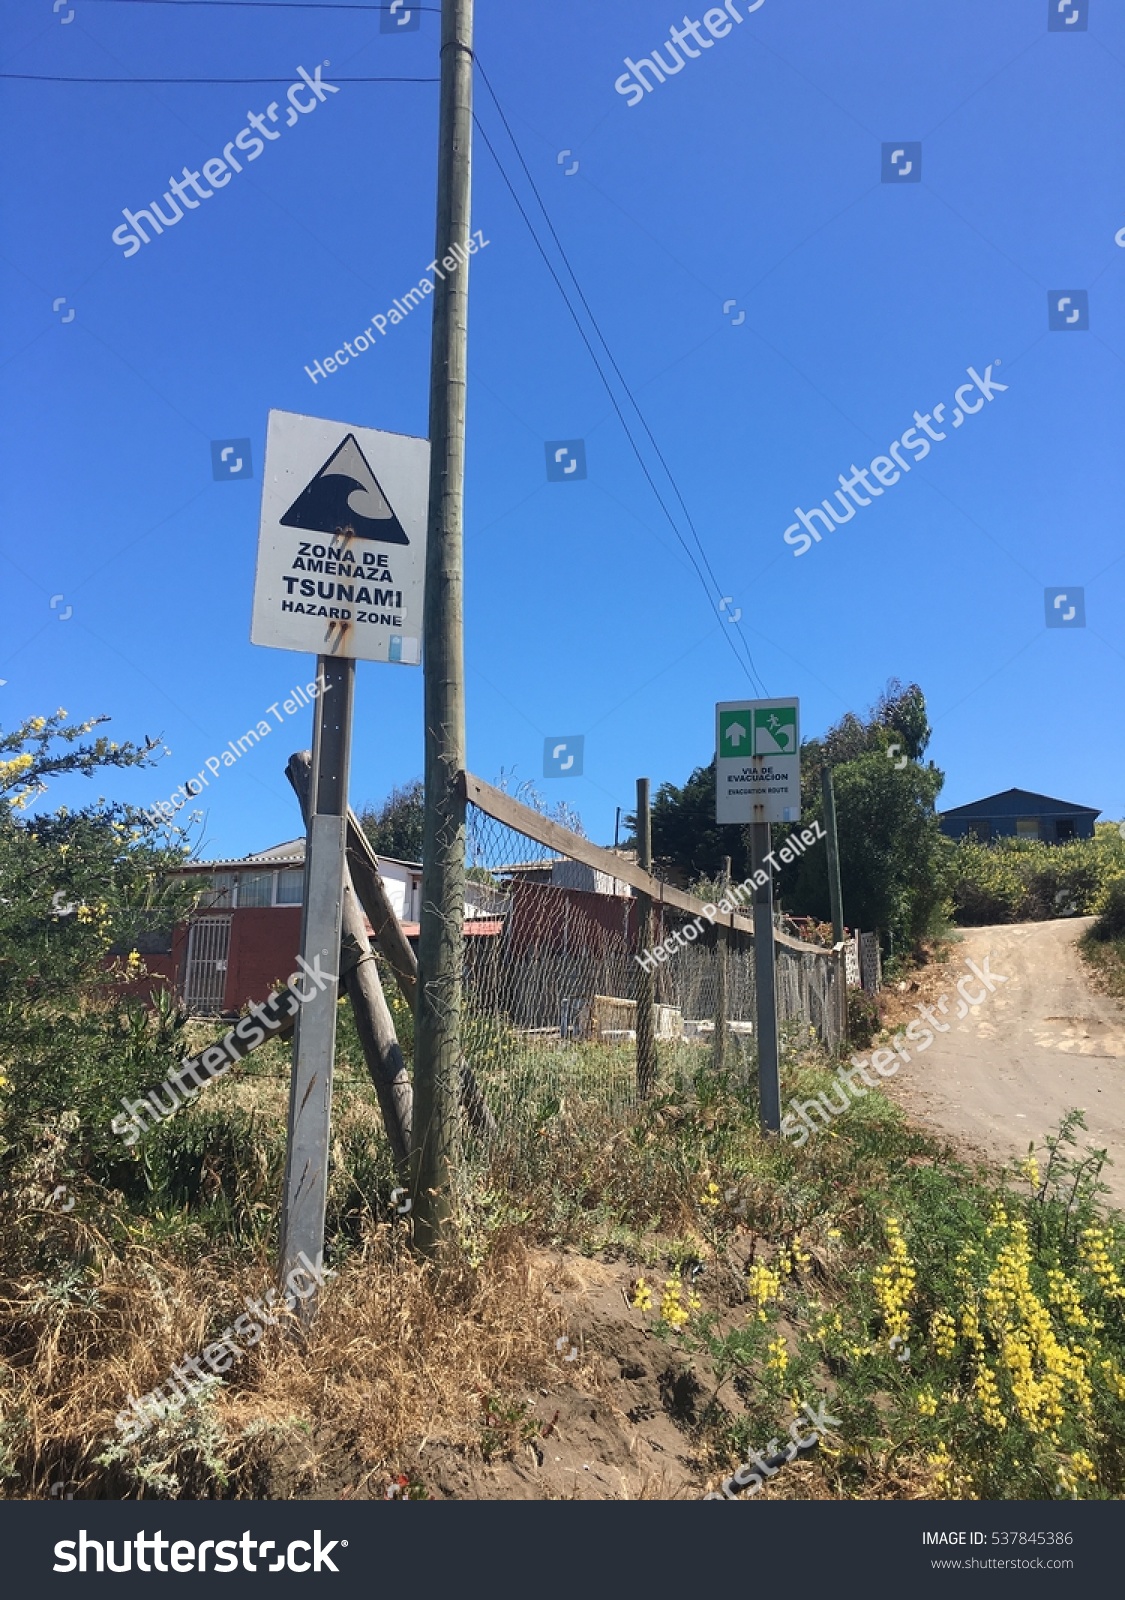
1019, 814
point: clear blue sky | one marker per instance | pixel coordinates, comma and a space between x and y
752, 175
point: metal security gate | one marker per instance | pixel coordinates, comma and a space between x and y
206, 976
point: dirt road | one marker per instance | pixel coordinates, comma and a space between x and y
1042, 1043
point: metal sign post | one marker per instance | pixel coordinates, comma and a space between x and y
765, 987
341, 569
758, 781
314, 1048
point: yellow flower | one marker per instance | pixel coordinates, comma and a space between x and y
642, 1295
988, 1397
777, 1357
894, 1282
943, 1332
926, 1402
710, 1196
672, 1309
763, 1284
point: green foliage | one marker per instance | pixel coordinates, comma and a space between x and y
1110, 906
864, 1022
395, 827
1028, 880
891, 850
687, 842
73, 887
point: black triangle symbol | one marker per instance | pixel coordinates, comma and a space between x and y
345, 497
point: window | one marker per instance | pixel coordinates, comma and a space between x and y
256, 889
980, 829
218, 895
290, 886
1064, 828
1027, 827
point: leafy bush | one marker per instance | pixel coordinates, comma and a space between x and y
1111, 911
1028, 880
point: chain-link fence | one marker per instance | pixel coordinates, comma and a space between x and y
552, 926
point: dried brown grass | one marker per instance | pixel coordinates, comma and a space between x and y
397, 1352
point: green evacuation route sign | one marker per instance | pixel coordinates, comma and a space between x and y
758, 761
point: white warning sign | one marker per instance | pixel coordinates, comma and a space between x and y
342, 543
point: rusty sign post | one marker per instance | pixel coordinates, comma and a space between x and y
341, 569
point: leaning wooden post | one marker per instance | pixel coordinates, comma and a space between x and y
373, 1019
646, 981
722, 977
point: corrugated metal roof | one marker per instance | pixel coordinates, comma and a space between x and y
1019, 802
289, 854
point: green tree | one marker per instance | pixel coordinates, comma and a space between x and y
687, 842
75, 886
395, 827
893, 860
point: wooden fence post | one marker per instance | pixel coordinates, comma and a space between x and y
646, 981
722, 977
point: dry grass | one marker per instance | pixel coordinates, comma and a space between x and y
396, 1353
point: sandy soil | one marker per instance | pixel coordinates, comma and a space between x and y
1044, 1041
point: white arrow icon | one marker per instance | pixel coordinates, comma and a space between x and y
1065, 301
735, 734
404, 20
1069, 614
557, 752
896, 157
574, 463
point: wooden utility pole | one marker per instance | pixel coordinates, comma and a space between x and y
765, 982
437, 1034
835, 891
722, 977
646, 979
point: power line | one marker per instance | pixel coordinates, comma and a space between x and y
38, 77
269, 5
747, 664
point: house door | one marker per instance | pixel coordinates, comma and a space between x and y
206, 978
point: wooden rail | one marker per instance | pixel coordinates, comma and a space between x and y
553, 836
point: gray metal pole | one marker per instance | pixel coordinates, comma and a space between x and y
314, 1049
722, 980
437, 1035
765, 988
835, 892
646, 979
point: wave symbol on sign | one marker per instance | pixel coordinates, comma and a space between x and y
345, 497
